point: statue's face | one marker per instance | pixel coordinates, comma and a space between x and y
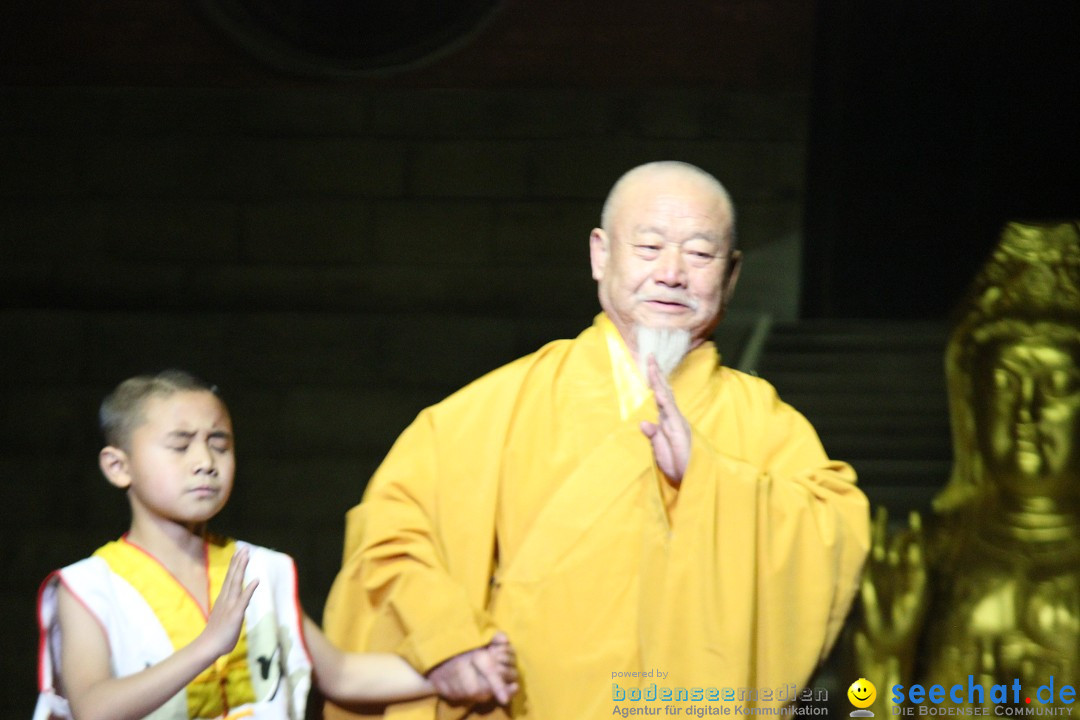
1027, 402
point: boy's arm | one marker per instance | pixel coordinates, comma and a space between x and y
380, 678
347, 677
94, 694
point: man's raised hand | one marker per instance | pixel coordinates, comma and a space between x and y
670, 435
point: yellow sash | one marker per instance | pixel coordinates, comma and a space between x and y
630, 386
227, 682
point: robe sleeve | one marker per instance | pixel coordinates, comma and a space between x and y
398, 589
766, 550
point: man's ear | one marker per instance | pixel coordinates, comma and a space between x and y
731, 275
598, 252
115, 466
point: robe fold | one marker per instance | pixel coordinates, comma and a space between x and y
529, 502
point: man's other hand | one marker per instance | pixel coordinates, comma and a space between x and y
477, 676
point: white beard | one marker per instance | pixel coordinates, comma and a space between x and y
668, 345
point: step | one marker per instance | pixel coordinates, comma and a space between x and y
877, 396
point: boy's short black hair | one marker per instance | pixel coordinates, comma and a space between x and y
121, 410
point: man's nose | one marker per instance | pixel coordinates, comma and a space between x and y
670, 267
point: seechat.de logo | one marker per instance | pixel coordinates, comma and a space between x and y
862, 694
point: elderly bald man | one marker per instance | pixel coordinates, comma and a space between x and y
638, 518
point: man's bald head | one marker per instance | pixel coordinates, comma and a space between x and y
656, 173
664, 256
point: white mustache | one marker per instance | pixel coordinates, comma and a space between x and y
670, 298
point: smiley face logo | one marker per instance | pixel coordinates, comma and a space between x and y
862, 693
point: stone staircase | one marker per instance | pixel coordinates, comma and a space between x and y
875, 391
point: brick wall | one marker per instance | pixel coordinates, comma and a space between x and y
334, 260
335, 255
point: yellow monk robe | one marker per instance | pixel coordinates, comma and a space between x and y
529, 502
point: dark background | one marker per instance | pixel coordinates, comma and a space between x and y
340, 233
933, 124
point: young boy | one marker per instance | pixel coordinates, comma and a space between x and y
170, 622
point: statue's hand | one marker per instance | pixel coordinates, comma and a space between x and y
894, 591
894, 596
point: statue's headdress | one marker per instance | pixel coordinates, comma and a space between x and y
1030, 287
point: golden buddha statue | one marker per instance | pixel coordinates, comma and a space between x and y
992, 590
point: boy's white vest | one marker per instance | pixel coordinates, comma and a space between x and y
147, 615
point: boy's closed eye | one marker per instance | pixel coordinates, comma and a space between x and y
220, 441
181, 441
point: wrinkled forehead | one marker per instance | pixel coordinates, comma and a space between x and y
672, 197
